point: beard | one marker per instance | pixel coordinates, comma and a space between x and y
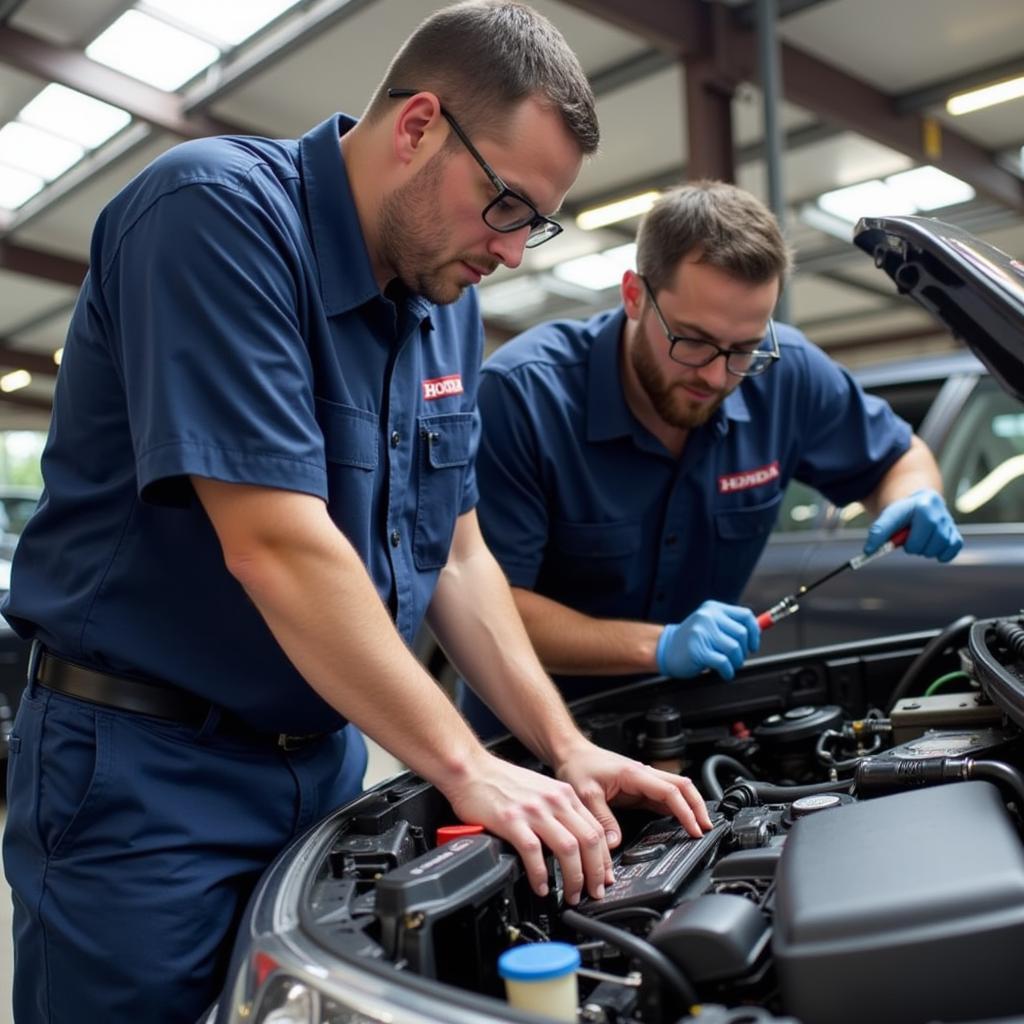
414, 240
669, 399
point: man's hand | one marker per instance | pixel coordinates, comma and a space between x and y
532, 811
570, 814
716, 636
932, 530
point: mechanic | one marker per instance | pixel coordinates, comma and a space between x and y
632, 466
259, 479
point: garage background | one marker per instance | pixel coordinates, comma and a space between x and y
92, 90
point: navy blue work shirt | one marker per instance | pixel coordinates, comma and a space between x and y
581, 503
231, 327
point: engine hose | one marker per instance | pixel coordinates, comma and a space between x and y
1011, 637
930, 771
635, 947
713, 789
922, 664
748, 793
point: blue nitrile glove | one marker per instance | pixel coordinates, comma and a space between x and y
716, 636
932, 530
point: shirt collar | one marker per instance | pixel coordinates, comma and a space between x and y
346, 276
608, 415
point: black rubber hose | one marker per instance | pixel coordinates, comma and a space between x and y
748, 793
952, 634
713, 789
635, 947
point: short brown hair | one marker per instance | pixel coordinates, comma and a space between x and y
729, 228
484, 57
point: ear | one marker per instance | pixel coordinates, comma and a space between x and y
633, 291
416, 129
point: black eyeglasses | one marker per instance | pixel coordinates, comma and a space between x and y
694, 352
508, 211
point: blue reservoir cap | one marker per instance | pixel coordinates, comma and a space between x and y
538, 961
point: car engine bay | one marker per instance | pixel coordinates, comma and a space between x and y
866, 860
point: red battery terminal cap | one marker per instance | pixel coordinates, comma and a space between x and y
446, 833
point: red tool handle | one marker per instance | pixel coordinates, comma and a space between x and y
765, 620
899, 538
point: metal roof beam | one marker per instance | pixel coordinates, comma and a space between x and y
683, 26
20, 259
939, 92
71, 67
36, 363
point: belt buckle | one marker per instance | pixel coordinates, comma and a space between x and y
288, 742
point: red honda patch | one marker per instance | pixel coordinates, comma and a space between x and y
748, 478
442, 387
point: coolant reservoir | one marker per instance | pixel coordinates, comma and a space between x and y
541, 978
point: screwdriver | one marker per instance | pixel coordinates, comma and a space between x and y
790, 603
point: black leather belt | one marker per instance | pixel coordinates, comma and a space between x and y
147, 698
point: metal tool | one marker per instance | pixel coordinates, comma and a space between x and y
791, 602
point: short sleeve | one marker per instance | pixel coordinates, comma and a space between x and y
513, 508
850, 439
206, 290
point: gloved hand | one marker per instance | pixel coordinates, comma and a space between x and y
716, 636
932, 530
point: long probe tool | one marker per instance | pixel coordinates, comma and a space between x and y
791, 602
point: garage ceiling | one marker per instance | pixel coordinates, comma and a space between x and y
863, 79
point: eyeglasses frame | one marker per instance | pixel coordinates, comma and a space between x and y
774, 353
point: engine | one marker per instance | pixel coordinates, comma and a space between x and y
866, 863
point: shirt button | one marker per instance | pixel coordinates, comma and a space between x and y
396, 538
671, 539
396, 439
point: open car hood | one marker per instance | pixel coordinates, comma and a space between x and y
975, 289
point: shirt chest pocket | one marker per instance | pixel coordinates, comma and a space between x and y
351, 450
603, 555
445, 445
742, 533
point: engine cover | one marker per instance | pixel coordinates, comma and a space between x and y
903, 910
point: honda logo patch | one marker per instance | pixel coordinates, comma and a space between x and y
442, 387
748, 478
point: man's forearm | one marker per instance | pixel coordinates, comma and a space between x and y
912, 471
476, 621
571, 643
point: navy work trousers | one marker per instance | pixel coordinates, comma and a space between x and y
131, 847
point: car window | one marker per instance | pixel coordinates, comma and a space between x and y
803, 508
982, 462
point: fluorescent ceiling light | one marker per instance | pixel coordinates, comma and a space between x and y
17, 187
15, 380
929, 188
227, 20
621, 209
599, 270
152, 51
75, 116
869, 198
58, 355
817, 218
516, 296
922, 188
36, 151
987, 96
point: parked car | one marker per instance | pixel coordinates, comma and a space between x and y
866, 862
976, 431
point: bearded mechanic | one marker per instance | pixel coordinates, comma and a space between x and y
632, 466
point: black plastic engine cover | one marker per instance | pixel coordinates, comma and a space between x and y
902, 910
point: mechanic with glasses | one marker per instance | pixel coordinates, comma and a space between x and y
632, 466
259, 481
